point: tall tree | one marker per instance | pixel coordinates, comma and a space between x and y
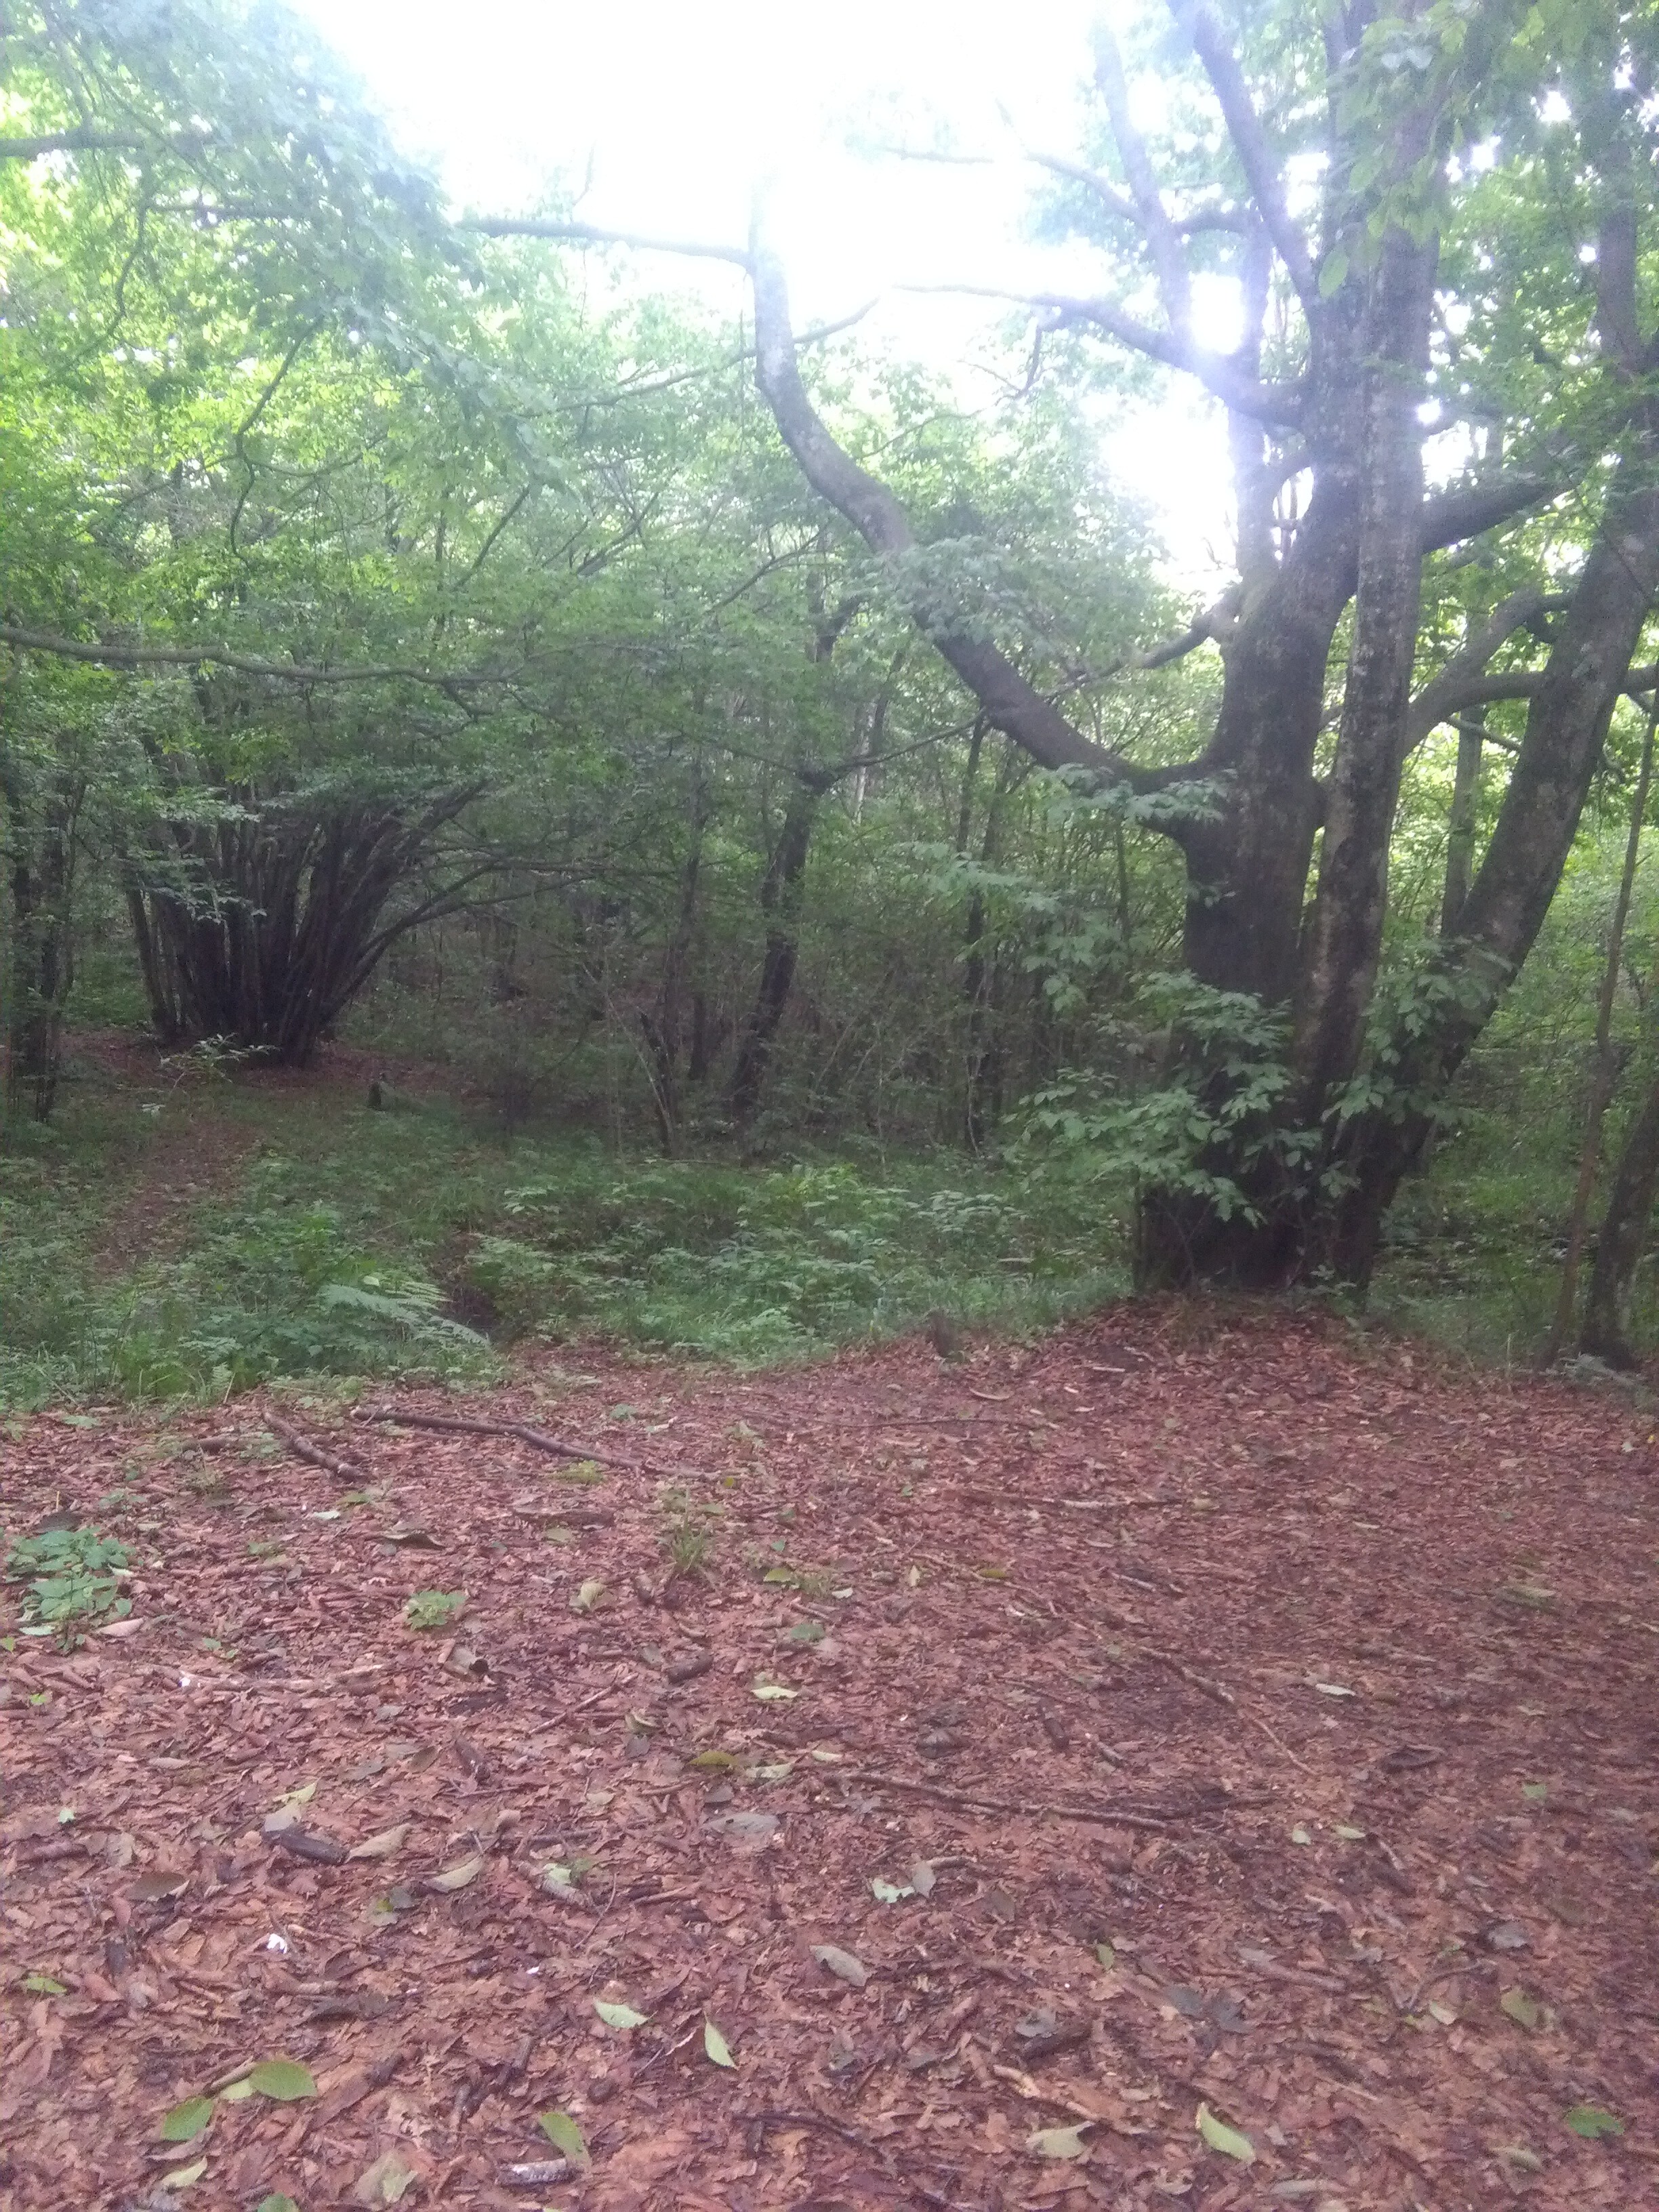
1374, 184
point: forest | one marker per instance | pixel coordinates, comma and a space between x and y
635, 923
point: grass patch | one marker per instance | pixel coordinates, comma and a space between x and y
348, 1244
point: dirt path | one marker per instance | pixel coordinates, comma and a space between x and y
1192, 1714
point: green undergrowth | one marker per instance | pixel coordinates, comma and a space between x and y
345, 1243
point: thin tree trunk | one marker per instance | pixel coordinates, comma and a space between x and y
1606, 1070
1462, 818
781, 902
1623, 1235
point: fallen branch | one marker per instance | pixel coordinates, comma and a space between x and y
557, 1447
1224, 1697
1067, 2097
1106, 1817
302, 1448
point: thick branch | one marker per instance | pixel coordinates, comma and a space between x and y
1008, 701
1449, 517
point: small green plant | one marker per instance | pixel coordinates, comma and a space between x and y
688, 1545
688, 1533
434, 1608
71, 1576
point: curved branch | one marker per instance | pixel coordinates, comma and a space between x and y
1014, 705
1463, 681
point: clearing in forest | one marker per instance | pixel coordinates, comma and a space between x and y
1207, 1757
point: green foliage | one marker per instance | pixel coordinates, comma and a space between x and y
1208, 1129
71, 1575
433, 1608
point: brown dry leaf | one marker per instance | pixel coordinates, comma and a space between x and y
844, 1964
458, 1877
386, 2182
384, 1845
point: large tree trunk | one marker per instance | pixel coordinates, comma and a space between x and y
1566, 730
1306, 1146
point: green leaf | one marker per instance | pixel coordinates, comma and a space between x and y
1332, 273
564, 2135
182, 2176
1107, 1955
42, 1986
1060, 2142
1593, 2121
618, 2015
434, 1608
187, 2120
284, 2079
236, 2092
772, 1693
277, 2202
1228, 2141
1524, 2011
716, 2045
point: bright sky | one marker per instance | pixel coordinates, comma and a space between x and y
672, 111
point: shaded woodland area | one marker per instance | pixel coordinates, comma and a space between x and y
825, 1340
830, 751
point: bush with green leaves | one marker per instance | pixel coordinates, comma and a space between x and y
71, 1575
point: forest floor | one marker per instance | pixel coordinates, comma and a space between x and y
1200, 1719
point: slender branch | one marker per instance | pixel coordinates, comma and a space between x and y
219, 656
1169, 257
1119, 204
1261, 165
588, 233
1278, 403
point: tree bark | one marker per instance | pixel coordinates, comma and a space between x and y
781, 902
1605, 1071
1461, 820
1623, 1235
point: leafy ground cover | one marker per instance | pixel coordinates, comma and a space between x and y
1204, 1756
170, 1238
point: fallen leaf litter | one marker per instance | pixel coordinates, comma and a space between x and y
1210, 1760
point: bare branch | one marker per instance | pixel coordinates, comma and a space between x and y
1251, 143
83, 141
588, 233
1120, 204
1278, 403
1173, 278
